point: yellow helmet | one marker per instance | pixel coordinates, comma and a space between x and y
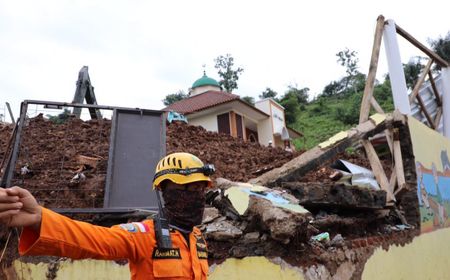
182, 168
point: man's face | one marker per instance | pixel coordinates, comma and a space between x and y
184, 203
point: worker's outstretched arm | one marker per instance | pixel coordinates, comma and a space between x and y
65, 237
48, 233
18, 208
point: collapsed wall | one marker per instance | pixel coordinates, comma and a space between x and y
340, 225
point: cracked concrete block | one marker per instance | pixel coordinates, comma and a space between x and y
222, 231
282, 223
251, 237
210, 214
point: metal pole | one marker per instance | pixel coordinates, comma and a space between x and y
9, 172
10, 113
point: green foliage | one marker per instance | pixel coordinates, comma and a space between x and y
291, 108
349, 114
293, 101
229, 76
60, 118
441, 46
334, 88
412, 71
174, 97
268, 93
250, 100
301, 94
348, 59
327, 115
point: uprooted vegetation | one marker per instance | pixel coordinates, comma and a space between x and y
340, 224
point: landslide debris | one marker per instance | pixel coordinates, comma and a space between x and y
52, 151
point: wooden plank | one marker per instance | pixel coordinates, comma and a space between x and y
399, 171
393, 179
419, 83
420, 46
435, 91
425, 112
377, 169
437, 119
376, 106
388, 135
313, 158
370, 82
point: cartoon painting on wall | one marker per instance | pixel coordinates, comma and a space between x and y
433, 175
434, 196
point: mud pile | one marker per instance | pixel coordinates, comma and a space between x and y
50, 151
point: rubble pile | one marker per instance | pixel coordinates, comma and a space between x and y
56, 176
233, 158
310, 222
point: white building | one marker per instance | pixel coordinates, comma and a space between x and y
215, 110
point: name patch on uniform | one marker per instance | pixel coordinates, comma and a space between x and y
166, 253
202, 254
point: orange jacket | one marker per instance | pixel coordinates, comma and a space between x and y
62, 236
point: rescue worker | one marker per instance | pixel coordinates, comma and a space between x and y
183, 179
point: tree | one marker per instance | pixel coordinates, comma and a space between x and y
268, 93
333, 88
250, 100
348, 59
291, 107
60, 118
292, 100
301, 94
441, 46
174, 97
412, 71
229, 76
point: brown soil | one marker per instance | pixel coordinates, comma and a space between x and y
50, 150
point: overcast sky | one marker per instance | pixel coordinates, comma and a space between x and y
140, 51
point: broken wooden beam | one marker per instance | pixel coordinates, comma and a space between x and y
370, 82
295, 169
401, 182
328, 195
419, 82
377, 169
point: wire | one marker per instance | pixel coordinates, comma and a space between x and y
6, 245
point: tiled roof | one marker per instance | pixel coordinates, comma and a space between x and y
201, 102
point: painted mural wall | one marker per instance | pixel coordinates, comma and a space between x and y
431, 151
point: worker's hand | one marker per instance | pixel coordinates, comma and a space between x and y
18, 208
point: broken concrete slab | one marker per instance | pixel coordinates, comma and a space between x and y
336, 195
222, 231
210, 214
238, 194
283, 224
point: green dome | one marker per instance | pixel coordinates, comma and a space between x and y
205, 81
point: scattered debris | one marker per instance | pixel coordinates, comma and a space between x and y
354, 175
321, 237
292, 217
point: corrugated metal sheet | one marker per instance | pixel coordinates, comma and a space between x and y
426, 92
